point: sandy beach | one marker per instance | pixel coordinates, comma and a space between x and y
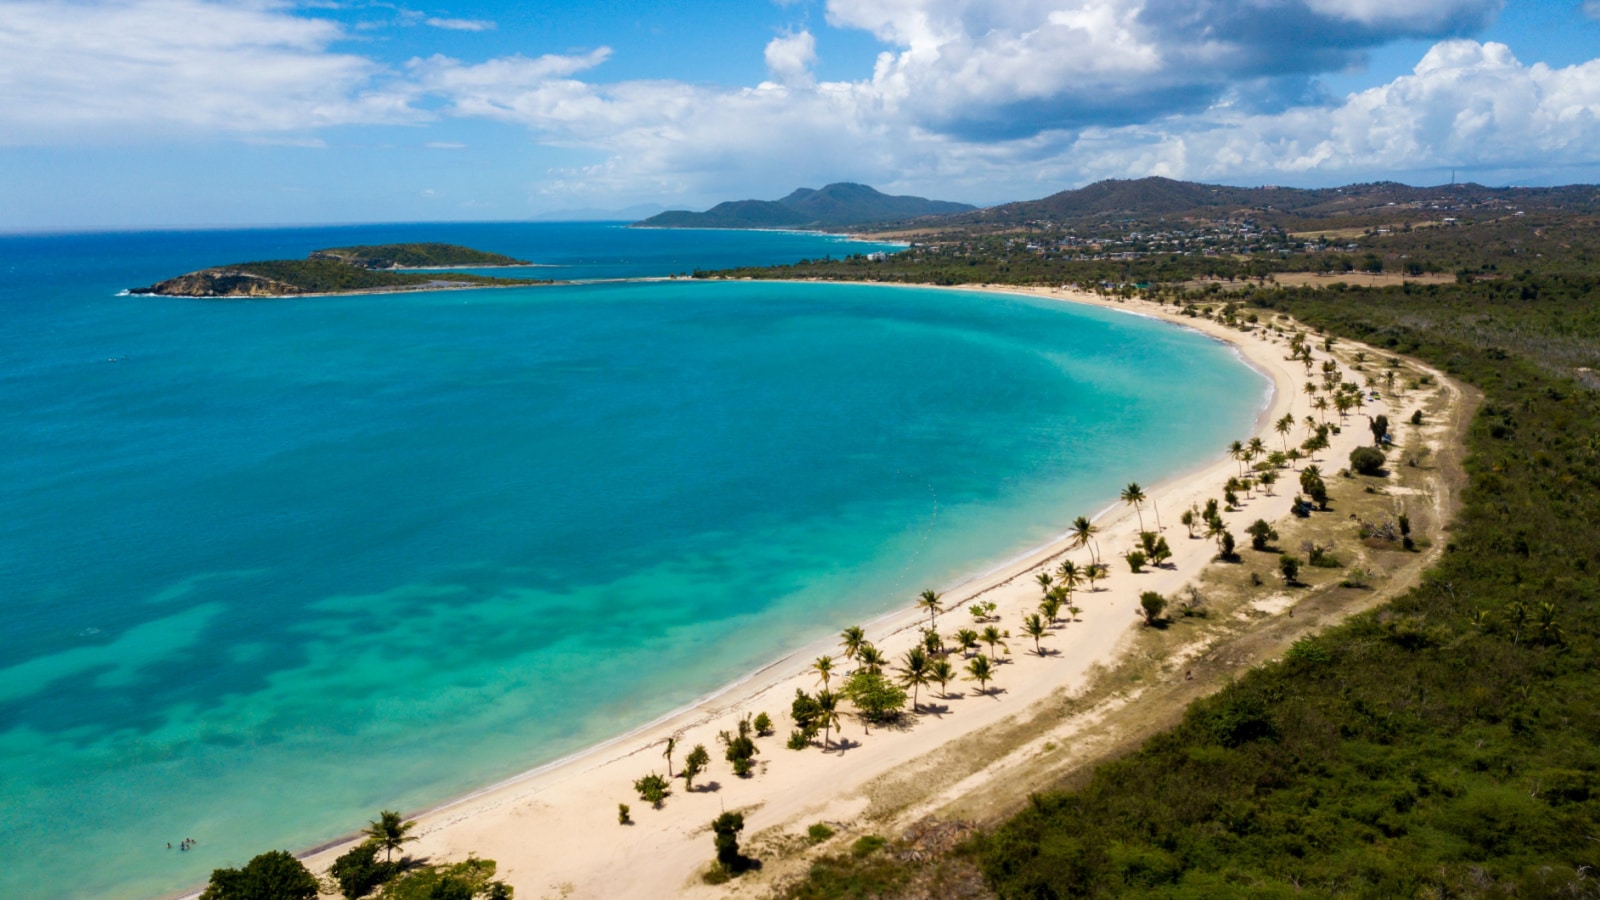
554, 831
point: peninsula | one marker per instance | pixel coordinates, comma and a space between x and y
343, 270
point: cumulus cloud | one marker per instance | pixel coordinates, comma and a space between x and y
137, 66
1465, 104
971, 99
987, 69
790, 58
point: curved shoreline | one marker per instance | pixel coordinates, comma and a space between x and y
573, 785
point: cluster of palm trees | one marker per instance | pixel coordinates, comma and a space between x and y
1334, 392
931, 660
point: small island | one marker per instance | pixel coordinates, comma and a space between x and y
343, 270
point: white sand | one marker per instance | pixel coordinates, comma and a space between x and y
554, 831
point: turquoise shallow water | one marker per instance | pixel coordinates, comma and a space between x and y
284, 563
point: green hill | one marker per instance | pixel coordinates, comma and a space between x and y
1143, 198
835, 206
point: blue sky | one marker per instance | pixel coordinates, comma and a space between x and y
144, 113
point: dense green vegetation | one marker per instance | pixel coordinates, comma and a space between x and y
1446, 745
274, 875
388, 256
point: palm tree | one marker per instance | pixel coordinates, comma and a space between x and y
992, 636
967, 640
1257, 448
942, 672
914, 672
1069, 572
870, 657
827, 715
1283, 426
1035, 628
1044, 580
390, 831
1095, 572
929, 601
981, 671
852, 639
672, 744
1215, 529
1133, 495
824, 669
1083, 536
1236, 450
1051, 605
1321, 406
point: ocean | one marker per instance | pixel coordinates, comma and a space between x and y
268, 567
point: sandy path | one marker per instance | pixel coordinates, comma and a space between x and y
554, 831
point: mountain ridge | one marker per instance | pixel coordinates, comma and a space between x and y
838, 205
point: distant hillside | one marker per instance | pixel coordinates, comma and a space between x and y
1146, 197
835, 206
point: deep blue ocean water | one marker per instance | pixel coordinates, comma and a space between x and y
267, 567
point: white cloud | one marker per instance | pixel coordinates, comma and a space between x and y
1426, 15
1465, 104
973, 99
159, 66
790, 58
460, 24
1591, 8
1010, 69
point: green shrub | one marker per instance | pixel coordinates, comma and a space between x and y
878, 698
867, 845
652, 789
1366, 461
274, 875
359, 870
1289, 566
